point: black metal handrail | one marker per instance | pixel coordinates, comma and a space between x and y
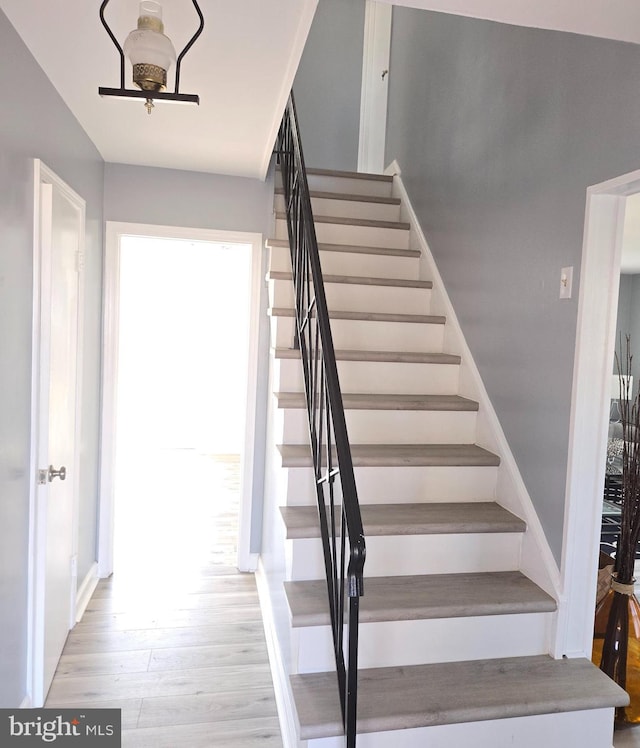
339, 511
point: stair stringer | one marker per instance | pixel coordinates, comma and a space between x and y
537, 560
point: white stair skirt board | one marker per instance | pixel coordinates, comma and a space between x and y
588, 729
374, 262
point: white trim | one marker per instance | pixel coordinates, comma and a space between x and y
86, 590
296, 48
537, 560
39, 410
597, 311
26, 703
287, 714
375, 86
114, 232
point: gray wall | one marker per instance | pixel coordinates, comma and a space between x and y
166, 197
169, 197
499, 130
328, 84
36, 123
628, 323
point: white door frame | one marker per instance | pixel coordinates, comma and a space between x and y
595, 342
247, 561
375, 86
40, 343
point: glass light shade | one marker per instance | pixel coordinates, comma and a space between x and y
151, 52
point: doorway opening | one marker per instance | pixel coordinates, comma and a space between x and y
590, 408
182, 315
183, 343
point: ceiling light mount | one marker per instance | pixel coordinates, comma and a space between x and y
151, 54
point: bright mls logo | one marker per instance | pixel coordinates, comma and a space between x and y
61, 728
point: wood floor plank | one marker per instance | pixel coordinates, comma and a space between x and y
129, 709
121, 604
208, 707
244, 733
186, 658
104, 663
120, 641
83, 689
100, 621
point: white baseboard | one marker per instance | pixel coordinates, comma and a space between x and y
284, 698
248, 562
26, 703
86, 590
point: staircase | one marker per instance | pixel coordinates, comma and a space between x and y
454, 639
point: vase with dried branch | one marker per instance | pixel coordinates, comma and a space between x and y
617, 622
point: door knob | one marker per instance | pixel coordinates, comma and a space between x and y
53, 473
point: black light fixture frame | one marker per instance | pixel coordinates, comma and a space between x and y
130, 93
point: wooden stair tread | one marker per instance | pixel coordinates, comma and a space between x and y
350, 174
349, 197
357, 401
420, 597
399, 455
353, 248
404, 357
349, 221
418, 319
454, 692
438, 518
357, 280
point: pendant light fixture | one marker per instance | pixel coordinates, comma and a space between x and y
151, 54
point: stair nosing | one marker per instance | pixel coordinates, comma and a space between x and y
420, 597
399, 357
349, 174
419, 319
349, 197
360, 222
358, 280
417, 696
353, 249
394, 402
429, 518
399, 455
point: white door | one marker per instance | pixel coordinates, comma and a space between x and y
61, 236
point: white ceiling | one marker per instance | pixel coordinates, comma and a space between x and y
242, 67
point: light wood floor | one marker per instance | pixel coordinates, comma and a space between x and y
183, 655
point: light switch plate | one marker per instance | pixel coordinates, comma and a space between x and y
566, 282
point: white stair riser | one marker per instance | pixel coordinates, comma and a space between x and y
353, 263
381, 377
389, 427
359, 335
392, 643
323, 206
349, 185
591, 728
351, 297
344, 233
416, 554
380, 485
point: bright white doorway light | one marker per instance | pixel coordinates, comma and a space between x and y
182, 378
